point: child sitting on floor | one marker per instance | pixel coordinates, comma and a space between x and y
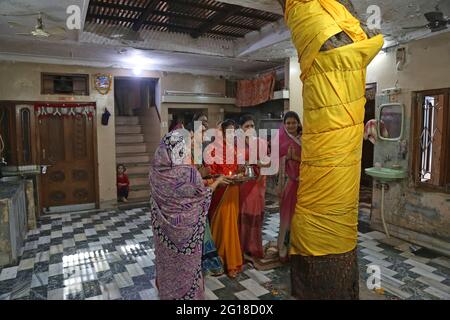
123, 184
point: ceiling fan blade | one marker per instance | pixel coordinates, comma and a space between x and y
56, 30
13, 24
415, 28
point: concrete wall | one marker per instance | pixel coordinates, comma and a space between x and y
22, 82
419, 216
295, 87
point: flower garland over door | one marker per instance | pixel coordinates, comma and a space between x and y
65, 110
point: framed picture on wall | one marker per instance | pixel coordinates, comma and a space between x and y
102, 83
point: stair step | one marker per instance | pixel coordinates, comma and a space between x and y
129, 129
134, 203
127, 120
133, 158
140, 193
140, 180
129, 138
138, 168
131, 148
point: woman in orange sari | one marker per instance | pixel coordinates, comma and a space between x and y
224, 209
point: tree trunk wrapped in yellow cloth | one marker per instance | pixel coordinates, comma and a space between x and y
326, 217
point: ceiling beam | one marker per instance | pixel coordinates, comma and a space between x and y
215, 20
173, 15
172, 27
145, 14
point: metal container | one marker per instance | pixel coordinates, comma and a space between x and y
249, 172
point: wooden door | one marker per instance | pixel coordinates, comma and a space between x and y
66, 146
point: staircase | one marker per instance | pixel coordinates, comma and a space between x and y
134, 152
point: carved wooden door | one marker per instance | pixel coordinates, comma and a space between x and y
66, 146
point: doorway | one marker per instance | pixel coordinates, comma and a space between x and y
67, 155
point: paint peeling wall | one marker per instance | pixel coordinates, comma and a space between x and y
412, 214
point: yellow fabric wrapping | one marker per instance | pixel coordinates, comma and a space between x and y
326, 215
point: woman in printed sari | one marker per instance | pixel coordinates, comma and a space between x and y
290, 154
179, 203
224, 209
211, 262
252, 197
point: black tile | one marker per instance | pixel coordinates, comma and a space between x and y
117, 267
24, 275
45, 233
29, 254
91, 289
56, 241
56, 258
225, 294
78, 230
40, 267
109, 246
130, 293
68, 235
105, 276
142, 282
56, 282
102, 233
38, 293
6, 286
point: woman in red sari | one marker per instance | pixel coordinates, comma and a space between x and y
224, 209
252, 197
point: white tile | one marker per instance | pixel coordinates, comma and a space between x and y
378, 262
110, 291
213, 283
371, 245
134, 270
80, 237
95, 298
209, 295
123, 280
72, 290
55, 269
437, 293
67, 229
246, 295
442, 261
56, 234
105, 240
427, 274
436, 284
114, 234
90, 232
39, 279
26, 264
46, 227
254, 287
421, 265
68, 243
408, 254
56, 249
100, 266
376, 235
99, 227
149, 294
56, 294
8, 273
31, 245
257, 276
44, 240
144, 261
375, 254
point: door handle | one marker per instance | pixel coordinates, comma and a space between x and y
44, 168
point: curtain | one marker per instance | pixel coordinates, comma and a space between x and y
253, 92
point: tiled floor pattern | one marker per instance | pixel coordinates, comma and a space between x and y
109, 255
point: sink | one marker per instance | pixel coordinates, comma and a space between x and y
386, 174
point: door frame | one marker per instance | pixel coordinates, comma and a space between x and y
36, 141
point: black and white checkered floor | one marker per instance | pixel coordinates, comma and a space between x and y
109, 255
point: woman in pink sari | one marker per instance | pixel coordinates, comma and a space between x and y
252, 198
179, 204
290, 157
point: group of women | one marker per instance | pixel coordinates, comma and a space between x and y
203, 222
